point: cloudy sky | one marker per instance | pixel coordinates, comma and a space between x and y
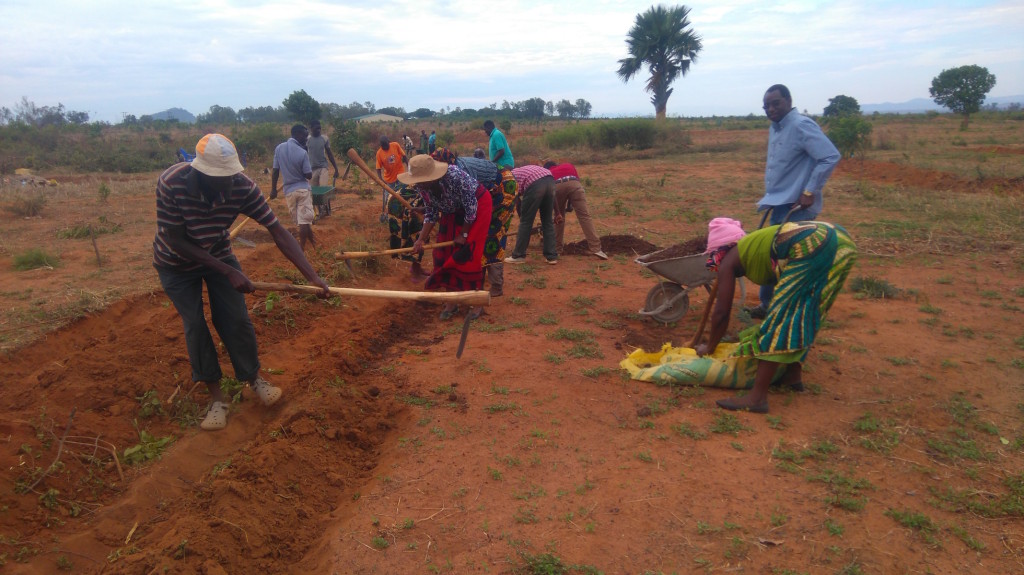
112, 57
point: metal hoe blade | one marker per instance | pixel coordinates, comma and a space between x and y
465, 334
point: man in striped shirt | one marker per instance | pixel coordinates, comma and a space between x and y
537, 194
195, 205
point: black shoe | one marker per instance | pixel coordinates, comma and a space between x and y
757, 312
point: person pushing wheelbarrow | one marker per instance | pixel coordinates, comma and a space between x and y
807, 263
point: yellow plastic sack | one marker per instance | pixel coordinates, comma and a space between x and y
681, 366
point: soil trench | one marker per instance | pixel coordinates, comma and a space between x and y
258, 494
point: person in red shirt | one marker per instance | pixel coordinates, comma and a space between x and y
569, 191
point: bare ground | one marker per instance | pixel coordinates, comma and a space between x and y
389, 455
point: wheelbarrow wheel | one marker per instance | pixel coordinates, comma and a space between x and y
663, 293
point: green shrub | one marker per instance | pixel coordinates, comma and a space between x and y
851, 134
635, 134
35, 258
258, 141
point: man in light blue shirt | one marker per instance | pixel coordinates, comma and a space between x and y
800, 160
500, 153
292, 161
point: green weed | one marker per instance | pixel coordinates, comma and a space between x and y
966, 537
686, 430
834, 528
501, 407
727, 423
918, 522
148, 448
574, 335
596, 372
547, 319
873, 288
35, 258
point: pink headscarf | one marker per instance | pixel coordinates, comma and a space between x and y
722, 232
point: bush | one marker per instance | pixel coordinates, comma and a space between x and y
851, 134
627, 133
26, 205
343, 137
446, 138
35, 258
258, 141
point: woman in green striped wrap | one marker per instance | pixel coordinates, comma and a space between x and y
807, 262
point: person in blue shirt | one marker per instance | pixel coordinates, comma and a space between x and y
432, 142
500, 153
800, 160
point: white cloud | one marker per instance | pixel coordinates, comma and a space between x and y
114, 56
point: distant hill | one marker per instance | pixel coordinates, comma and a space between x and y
920, 105
183, 116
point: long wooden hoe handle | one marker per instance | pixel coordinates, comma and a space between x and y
472, 298
707, 312
354, 156
238, 228
356, 255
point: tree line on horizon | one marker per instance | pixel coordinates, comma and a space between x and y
301, 107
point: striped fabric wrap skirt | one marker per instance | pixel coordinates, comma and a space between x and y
814, 259
503, 198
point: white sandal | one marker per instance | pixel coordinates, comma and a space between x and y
267, 393
216, 417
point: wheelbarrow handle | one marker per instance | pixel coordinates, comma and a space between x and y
707, 312
791, 211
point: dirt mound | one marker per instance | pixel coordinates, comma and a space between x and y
612, 245
688, 248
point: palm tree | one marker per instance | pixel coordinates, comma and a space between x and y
662, 40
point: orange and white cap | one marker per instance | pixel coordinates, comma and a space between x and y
216, 156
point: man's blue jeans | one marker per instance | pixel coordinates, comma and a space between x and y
230, 319
540, 196
778, 215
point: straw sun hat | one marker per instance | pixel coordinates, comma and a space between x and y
216, 156
423, 168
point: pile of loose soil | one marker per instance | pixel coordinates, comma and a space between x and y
612, 245
688, 248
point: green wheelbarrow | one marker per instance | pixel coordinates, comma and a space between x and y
322, 196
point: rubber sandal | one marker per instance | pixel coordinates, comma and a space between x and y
449, 313
216, 418
267, 393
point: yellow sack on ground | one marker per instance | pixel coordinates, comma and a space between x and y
681, 366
